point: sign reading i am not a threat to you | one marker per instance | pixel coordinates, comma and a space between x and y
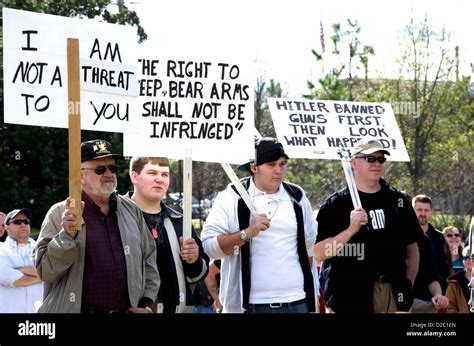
195, 107
35, 71
317, 129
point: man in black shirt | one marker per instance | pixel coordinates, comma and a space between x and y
442, 259
370, 253
427, 289
180, 262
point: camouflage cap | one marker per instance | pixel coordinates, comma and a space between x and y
368, 146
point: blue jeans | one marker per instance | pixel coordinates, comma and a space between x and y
298, 307
201, 309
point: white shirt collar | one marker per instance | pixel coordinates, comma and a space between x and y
13, 243
254, 191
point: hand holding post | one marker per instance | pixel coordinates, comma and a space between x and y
346, 165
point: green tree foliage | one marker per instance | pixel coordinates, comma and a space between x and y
35, 159
81, 9
263, 119
352, 57
434, 109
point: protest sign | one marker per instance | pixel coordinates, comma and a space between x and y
317, 129
194, 105
35, 71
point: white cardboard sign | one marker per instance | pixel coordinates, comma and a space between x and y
317, 129
35, 71
191, 106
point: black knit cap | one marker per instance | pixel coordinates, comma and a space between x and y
267, 149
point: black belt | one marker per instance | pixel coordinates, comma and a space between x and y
280, 305
93, 310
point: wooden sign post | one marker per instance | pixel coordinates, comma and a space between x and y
74, 119
240, 188
187, 195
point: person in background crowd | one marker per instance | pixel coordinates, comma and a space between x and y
424, 211
206, 292
370, 254
427, 291
3, 233
453, 238
459, 292
266, 257
212, 282
21, 291
108, 263
180, 262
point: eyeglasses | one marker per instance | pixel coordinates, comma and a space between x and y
450, 235
372, 159
99, 170
466, 258
20, 221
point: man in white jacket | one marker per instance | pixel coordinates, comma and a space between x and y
265, 257
21, 291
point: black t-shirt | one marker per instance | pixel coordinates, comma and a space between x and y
379, 248
441, 255
426, 270
167, 293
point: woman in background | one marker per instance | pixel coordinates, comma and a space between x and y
453, 238
458, 291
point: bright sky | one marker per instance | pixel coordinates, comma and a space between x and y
278, 35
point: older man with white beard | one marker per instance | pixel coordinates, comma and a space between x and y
113, 269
